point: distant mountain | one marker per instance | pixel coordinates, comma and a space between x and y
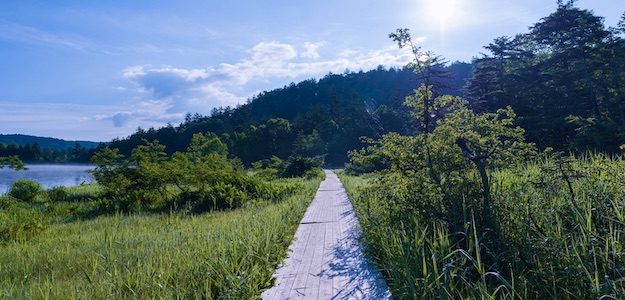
44, 142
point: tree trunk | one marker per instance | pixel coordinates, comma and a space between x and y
481, 167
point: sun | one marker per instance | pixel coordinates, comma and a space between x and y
443, 11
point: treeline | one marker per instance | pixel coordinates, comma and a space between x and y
34, 153
565, 79
314, 117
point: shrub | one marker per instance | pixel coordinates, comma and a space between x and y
58, 194
299, 166
25, 190
18, 222
202, 181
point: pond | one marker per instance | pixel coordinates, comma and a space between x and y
49, 175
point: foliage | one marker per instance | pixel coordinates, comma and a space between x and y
200, 179
80, 193
300, 166
559, 231
466, 209
220, 255
340, 108
33, 152
368, 159
460, 138
310, 145
25, 190
12, 162
202, 145
565, 79
18, 222
393, 151
58, 194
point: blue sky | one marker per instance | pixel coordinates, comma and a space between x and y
96, 70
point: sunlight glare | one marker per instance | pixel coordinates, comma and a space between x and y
443, 11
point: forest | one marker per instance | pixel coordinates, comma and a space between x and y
34, 153
503, 178
325, 117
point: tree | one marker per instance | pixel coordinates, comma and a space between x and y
310, 145
486, 140
564, 79
204, 144
12, 162
428, 68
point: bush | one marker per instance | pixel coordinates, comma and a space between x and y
268, 168
17, 222
300, 166
25, 190
58, 194
198, 180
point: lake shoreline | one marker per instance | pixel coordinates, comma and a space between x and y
48, 175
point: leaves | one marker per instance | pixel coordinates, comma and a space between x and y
12, 162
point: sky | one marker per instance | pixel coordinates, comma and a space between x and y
97, 70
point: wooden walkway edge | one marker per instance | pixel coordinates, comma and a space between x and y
326, 259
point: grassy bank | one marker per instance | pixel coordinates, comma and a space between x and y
220, 255
558, 232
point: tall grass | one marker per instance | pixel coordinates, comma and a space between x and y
219, 255
559, 234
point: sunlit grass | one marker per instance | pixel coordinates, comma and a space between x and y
549, 243
226, 255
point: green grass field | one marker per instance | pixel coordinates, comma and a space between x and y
219, 255
550, 240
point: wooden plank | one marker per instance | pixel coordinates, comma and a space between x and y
326, 259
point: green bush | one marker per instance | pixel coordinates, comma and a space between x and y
196, 179
19, 222
58, 194
300, 166
25, 190
268, 168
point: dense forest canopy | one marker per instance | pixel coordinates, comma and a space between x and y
43, 149
34, 153
565, 79
314, 117
44, 142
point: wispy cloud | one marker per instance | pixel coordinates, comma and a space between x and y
31, 35
70, 121
141, 114
171, 91
19, 33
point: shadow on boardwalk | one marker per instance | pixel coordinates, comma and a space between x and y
351, 263
326, 260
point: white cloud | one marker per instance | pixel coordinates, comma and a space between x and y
311, 50
272, 51
143, 112
167, 92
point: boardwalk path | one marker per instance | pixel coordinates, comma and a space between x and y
326, 259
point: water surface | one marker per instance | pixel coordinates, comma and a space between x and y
49, 175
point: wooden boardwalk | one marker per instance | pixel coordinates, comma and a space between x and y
326, 259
